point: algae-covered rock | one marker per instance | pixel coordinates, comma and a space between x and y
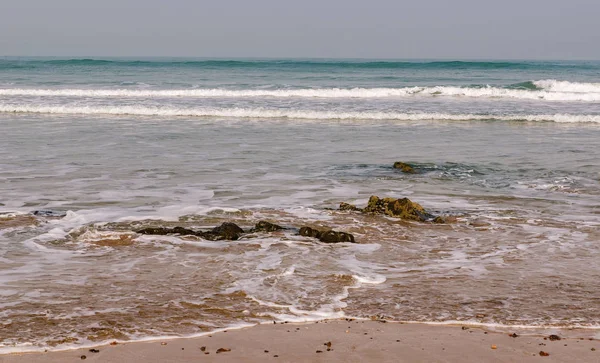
404, 167
399, 208
349, 207
264, 226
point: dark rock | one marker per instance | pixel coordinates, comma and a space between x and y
404, 167
327, 236
349, 207
264, 226
399, 208
226, 231
554, 337
335, 237
162, 231
309, 232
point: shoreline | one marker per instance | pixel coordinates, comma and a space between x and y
351, 341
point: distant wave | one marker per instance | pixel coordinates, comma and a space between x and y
291, 63
259, 113
546, 90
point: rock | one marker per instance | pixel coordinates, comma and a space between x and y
48, 213
226, 231
349, 207
440, 220
327, 236
162, 231
404, 167
399, 208
264, 226
335, 237
554, 337
309, 232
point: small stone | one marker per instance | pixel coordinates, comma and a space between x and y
83, 357
544, 354
319, 351
94, 350
203, 348
494, 346
163, 343
328, 344
593, 349
223, 350
114, 343
464, 328
275, 356
513, 335
266, 351
554, 337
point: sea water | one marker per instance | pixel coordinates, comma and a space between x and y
507, 151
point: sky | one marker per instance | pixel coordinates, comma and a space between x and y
432, 29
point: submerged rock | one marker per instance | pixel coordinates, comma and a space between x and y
335, 237
404, 167
327, 236
309, 232
163, 231
49, 213
264, 226
226, 231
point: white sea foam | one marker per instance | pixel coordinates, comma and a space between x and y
549, 90
553, 85
261, 113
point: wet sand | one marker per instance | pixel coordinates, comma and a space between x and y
350, 341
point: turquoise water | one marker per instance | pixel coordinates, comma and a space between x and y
509, 151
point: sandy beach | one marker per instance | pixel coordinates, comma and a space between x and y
341, 341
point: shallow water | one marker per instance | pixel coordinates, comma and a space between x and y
520, 249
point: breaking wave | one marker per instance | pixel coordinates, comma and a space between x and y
546, 90
260, 113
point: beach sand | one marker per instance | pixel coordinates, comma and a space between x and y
351, 341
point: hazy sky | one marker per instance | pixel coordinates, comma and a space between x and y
458, 29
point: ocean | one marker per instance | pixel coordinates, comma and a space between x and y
93, 150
